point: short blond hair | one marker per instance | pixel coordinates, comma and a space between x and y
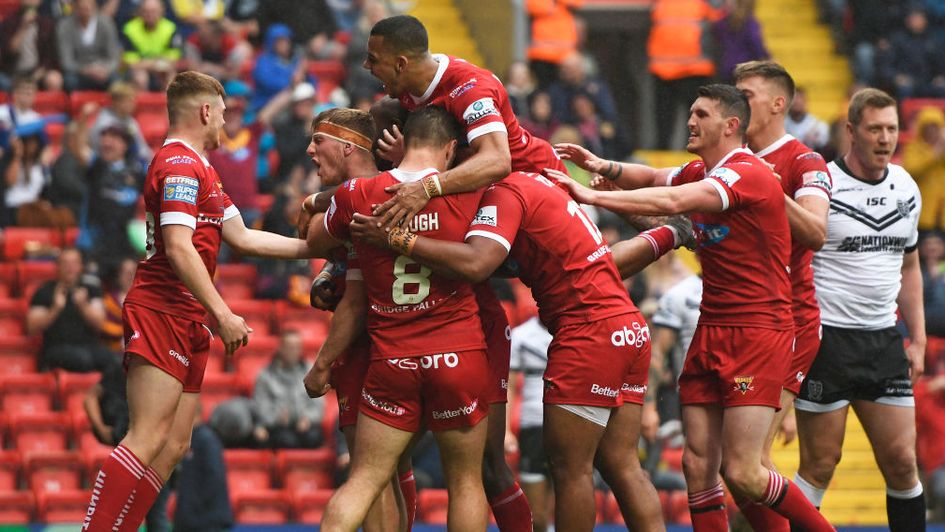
185, 87
868, 97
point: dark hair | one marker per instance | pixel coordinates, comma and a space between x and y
731, 102
864, 98
23, 79
403, 35
432, 126
770, 71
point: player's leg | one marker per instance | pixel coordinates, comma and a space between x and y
760, 516
618, 463
533, 475
570, 444
384, 514
506, 498
461, 451
407, 484
702, 460
373, 463
820, 435
892, 434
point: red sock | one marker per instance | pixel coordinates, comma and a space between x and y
112, 489
762, 517
661, 238
143, 498
707, 509
788, 501
408, 487
511, 510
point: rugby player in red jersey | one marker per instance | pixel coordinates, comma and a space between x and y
598, 362
428, 366
806, 184
166, 341
731, 381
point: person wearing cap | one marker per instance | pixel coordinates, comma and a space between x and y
280, 66
292, 130
121, 113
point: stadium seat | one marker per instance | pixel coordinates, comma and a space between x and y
73, 388
93, 461
672, 457
257, 313
51, 102
330, 72
248, 470
63, 507
306, 470
43, 431
611, 513
79, 98
32, 274
7, 279
250, 360
264, 201
82, 436
53, 471
218, 387
238, 282
153, 102
70, 236
8, 8
19, 242
18, 355
27, 392
432, 506
16, 507
261, 507
308, 507
310, 323
678, 508
599, 501
13, 317
9, 470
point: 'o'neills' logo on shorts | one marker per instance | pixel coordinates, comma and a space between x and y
180, 358
743, 384
461, 411
385, 407
606, 391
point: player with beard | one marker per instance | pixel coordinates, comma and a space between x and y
166, 341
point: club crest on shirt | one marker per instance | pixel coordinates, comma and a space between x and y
903, 207
743, 384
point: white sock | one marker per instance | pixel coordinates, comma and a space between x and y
814, 494
905, 494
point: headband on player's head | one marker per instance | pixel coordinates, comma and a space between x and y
343, 134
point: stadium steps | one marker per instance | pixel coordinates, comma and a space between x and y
797, 39
449, 33
857, 494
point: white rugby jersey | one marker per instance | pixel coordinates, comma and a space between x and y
679, 310
858, 272
530, 342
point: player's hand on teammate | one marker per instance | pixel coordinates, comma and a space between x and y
915, 352
368, 229
234, 332
408, 199
316, 380
390, 145
599, 182
581, 157
579, 192
322, 294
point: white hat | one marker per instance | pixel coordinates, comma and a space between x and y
303, 91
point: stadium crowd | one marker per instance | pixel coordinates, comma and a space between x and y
85, 111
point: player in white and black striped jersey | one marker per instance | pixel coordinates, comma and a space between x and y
868, 265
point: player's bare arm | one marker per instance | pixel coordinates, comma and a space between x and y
691, 197
473, 260
624, 175
490, 162
911, 308
319, 240
632, 256
347, 324
807, 217
189, 268
312, 205
258, 243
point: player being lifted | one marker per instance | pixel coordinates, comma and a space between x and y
166, 341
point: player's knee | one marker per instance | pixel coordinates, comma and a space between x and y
900, 465
694, 465
744, 478
820, 468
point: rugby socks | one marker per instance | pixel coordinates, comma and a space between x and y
408, 487
511, 510
790, 502
662, 239
905, 509
707, 509
761, 517
814, 494
144, 496
112, 491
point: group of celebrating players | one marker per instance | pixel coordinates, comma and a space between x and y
472, 195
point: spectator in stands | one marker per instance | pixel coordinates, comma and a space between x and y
805, 127
520, 84
115, 179
121, 113
679, 61
89, 48
191, 14
540, 121
213, 50
311, 22
28, 47
924, 159
68, 187
284, 279
68, 311
280, 66
359, 82
293, 132
106, 405
203, 500
117, 280
739, 36
19, 112
554, 36
24, 177
596, 131
288, 417
870, 27
932, 254
152, 46
912, 64
930, 432
573, 79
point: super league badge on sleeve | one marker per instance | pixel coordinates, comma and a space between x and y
181, 188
